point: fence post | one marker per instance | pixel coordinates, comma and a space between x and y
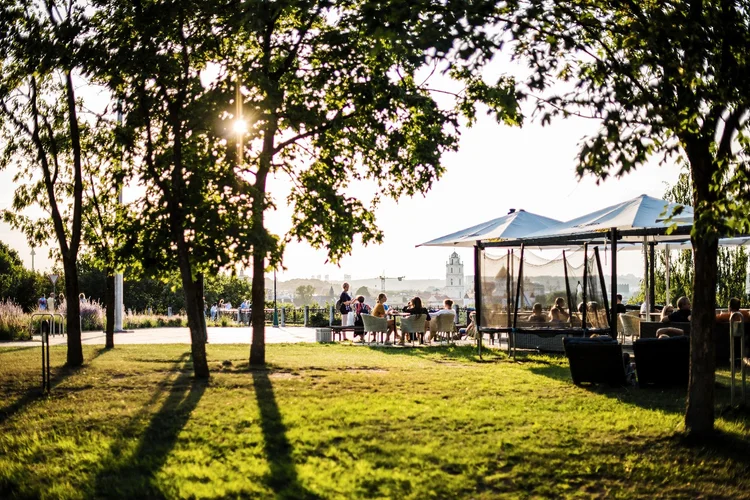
283, 317
306, 320
330, 315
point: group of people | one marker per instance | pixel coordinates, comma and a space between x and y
352, 309
47, 303
216, 308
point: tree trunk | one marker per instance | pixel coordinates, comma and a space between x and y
73, 320
258, 313
699, 417
196, 319
109, 304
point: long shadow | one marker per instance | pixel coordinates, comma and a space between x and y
132, 476
464, 352
4, 350
32, 394
282, 477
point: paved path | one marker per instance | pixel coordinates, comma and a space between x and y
216, 335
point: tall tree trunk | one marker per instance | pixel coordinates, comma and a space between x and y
196, 319
258, 313
699, 417
73, 320
109, 304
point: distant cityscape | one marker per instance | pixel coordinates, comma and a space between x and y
455, 285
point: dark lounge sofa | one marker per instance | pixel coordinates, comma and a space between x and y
595, 360
662, 362
720, 332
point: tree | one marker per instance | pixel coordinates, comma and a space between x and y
44, 45
340, 91
665, 79
18, 283
195, 214
304, 294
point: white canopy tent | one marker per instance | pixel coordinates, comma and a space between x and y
514, 225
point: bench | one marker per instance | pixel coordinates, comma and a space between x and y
340, 330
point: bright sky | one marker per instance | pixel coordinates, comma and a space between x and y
495, 169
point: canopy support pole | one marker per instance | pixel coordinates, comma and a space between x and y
567, 288
652, 274
666, 260
477, 296
518, 293
585, 286
646, 288
613, 283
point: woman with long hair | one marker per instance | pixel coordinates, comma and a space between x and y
381, 311
415, 307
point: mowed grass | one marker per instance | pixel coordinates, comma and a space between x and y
338, 421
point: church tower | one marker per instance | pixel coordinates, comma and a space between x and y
454, 277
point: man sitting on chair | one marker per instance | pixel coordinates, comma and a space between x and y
537, 316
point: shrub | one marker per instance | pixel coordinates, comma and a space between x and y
93, 315
13, 322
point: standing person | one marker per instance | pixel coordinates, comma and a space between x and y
345, 301
214, 310
42, 303
51, 302
381, 311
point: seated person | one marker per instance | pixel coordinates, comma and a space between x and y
682, 314
537, 316
555, 315
447, 309
665, 313
359, 307
620, 307
471, 330
734, 306
562, 315
379, 311
415, 307
665, 333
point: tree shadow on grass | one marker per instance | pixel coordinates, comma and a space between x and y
132, 475
465, 353
282, 478
31, 394
5, 350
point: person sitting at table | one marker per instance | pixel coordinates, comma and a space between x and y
560, 306
415, 307
447, 309
682, 314
734, 306
360, 308
380, 311
555, 315
665, 312
537, 316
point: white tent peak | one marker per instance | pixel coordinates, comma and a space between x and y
515, 224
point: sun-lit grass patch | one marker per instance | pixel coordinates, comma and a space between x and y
333, 421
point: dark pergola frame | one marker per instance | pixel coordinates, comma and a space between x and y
613, 235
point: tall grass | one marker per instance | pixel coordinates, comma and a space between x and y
136, 321
93, 314
13, 322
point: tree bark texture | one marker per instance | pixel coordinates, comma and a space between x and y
699, 417
109, 304
258, 313
73, 319
196, 319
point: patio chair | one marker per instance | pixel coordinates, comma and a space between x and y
443, 325
375, 326
595, 360
631, 326
413, 325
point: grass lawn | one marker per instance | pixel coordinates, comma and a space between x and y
337, 421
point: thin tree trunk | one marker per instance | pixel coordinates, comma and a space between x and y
258, 313
699, 417
73, 320
109, 304
196, 320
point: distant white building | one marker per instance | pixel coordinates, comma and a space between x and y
455, 282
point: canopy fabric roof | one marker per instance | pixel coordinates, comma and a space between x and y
643, 216
514, 225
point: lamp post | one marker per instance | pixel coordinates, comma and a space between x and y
33, 253
275, 310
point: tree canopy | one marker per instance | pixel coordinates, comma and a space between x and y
665, 80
